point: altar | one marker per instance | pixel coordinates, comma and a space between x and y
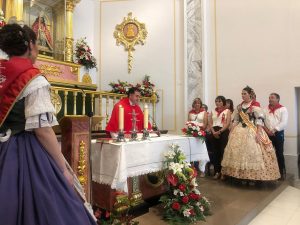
113, 163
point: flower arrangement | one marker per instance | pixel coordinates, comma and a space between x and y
184, 203
83, 54
121, 87
193, 129
146, 87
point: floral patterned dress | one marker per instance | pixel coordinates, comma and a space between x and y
246, 158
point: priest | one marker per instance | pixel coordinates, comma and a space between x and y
131, 110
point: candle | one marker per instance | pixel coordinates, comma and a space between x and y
121, 117
146, 112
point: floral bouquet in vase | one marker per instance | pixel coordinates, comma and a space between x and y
83, 54
184, 204
194, 129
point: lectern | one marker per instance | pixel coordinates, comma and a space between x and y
75, 145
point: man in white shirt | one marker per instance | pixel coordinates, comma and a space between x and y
275, 122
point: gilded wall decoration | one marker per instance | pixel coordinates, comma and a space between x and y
130, 33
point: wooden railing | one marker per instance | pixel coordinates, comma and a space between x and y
76, 102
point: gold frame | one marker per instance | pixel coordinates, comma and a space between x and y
130, 33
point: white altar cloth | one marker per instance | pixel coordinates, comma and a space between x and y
113, 163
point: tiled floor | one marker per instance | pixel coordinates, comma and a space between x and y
283, 210
236, 204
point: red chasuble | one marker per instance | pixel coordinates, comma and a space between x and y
15, 74
113, 124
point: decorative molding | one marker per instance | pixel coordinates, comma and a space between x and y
86, 78
81, 169
69, 49
50, 70
70, 5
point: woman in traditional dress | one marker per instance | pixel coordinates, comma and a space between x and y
219, 121
199, 116
249, 153
35, 184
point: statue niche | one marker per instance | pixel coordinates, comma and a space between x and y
47, 20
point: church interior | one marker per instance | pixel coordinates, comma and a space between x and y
174, 51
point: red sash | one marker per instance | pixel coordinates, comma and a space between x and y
15, 75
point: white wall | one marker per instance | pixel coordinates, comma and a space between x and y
256, 43
86, 23
161, 57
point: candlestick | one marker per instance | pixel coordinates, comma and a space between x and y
146, 113
121, 118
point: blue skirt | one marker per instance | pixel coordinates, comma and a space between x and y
33, 190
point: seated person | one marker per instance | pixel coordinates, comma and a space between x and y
130, 105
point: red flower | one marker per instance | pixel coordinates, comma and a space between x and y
194, 196
172, 179
97, 213
192, 212
185, 199
182, 187
176, 206
195, 134
107, 214
184, 130
203, 133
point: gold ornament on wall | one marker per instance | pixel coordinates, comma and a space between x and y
130, 33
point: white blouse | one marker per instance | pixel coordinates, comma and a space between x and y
217, 120
276, 121
197, 117
39, 110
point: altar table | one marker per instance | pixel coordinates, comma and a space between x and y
113, 163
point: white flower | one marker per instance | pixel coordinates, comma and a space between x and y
186, 213
194, 183
170, 154
181, 194
196, 191
175, 192
172, 146
194, 128
186, 164
201, 208
176, 167
198, 128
